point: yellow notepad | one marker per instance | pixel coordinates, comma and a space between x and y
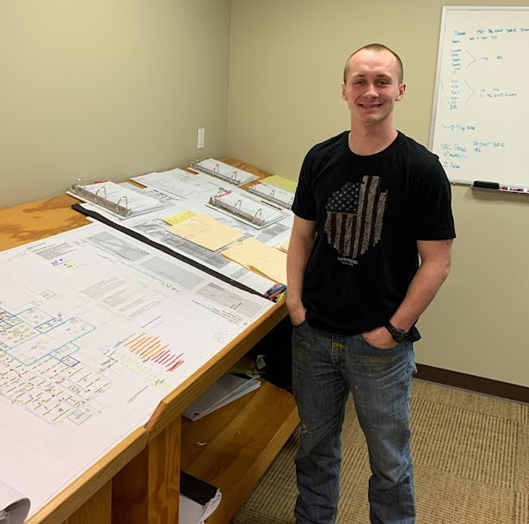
206, 232
259, 257
284, 246
282, 182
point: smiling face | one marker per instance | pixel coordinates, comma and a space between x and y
371, 88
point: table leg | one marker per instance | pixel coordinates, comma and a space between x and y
147, 489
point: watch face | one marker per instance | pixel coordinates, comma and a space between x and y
400, 335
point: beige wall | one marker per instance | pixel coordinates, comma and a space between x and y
108, 89
285, 71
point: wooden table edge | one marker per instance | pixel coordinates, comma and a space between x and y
64, 505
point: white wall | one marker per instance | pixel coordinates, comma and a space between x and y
108, 89
285, 72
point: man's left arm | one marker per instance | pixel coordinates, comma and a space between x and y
436, 257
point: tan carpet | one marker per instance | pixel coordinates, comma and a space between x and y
471, 456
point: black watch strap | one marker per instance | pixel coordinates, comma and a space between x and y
399, 335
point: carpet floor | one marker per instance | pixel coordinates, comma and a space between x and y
471, 458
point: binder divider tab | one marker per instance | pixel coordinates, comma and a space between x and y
120, 207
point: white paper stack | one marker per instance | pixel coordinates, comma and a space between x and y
225, 390
198, 499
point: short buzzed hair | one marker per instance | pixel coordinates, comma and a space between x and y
376, 47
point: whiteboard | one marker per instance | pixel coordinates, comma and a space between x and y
480, 121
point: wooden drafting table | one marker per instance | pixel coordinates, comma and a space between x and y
138, 481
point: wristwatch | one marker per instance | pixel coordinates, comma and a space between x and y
399, 335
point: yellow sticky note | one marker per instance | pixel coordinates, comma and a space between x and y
178, 217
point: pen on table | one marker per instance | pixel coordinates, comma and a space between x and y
275, 287
271, 205
280, 296
274, 290
280, 291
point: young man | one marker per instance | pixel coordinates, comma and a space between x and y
370, 203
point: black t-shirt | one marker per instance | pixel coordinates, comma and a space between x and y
369, 212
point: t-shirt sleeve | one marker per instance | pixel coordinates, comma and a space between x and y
304, 205
432, 204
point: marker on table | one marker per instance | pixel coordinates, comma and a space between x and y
500, 187
275, 290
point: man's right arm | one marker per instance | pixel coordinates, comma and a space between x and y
299, 249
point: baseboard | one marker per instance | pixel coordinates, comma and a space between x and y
473, 383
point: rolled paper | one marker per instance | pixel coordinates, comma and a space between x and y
14, 507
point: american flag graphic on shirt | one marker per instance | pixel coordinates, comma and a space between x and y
355, 214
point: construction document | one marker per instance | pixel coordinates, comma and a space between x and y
95, 329
155, 227
179, 183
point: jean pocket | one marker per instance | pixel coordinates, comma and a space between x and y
298, 326
376, 348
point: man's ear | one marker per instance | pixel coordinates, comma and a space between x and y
402, 90
343, 91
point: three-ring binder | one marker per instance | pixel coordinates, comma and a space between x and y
223, 171
236, 209
120, 207
115, 199
232, 177
244, 208
273, 196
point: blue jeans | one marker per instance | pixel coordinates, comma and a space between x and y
325, 368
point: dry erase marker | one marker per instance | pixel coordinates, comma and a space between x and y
274, 289
514, 189
495, 185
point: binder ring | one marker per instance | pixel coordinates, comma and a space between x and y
120, 205
96, 194
101, 199
257, 217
